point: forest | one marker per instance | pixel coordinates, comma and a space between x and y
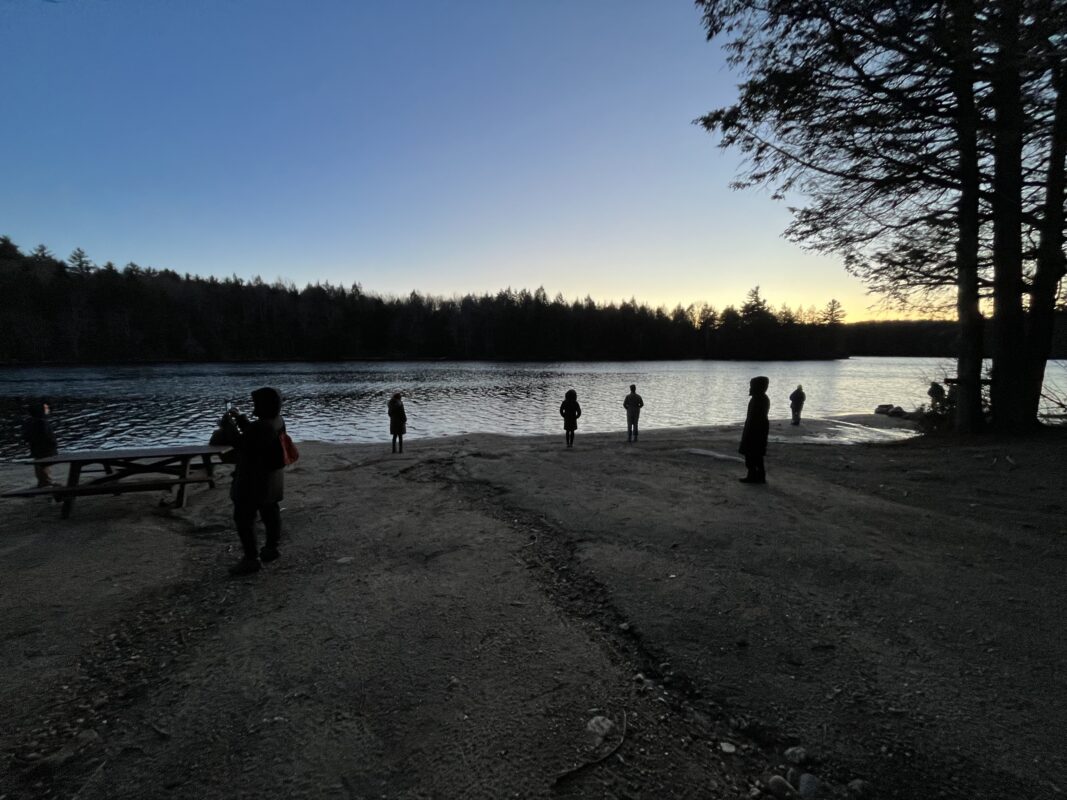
71, 311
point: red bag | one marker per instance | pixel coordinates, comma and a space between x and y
289, 452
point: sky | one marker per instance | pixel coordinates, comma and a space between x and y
441, 147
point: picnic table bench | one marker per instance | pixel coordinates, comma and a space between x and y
118, 472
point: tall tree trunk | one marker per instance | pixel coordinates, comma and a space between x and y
1050, 257
1008, 393
969, 356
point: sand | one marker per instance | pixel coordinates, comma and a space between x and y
450, 622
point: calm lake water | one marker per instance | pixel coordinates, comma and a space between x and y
109, 407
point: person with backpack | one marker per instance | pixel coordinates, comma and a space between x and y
262, 448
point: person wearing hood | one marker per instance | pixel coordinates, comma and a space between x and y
796, 403
757, 428
258, 481
570, 411
37, 433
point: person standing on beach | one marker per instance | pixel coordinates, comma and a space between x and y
796, 403
398, 421
570, 411
633, 405
757, 428
37, 433
258, 481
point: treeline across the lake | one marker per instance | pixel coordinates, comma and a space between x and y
73, 311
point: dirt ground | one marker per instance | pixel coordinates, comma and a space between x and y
503, 617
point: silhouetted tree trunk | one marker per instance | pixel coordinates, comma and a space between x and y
969, 356
1008, 392
1050, 259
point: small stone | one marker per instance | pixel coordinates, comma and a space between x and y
860, 788
793, 776
624, 626
809, 786
599, 727
780, 788
728, 747
796, 755
346, 560
88, 737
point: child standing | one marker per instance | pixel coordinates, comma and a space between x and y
398, 421
570, 411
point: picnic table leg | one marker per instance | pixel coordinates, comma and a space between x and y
72, 481
209, 469
183, 473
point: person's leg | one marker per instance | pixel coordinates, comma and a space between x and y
271, 515
400, 443
394, 442
629, 431
44, 476
754, 465
244, 516
635, 430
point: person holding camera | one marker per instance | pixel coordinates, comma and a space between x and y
258, 482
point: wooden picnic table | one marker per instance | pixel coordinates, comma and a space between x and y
118, 471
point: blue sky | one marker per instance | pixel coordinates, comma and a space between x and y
444, 147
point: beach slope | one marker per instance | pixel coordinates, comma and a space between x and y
486, 616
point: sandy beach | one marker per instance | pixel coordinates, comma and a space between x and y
485, 616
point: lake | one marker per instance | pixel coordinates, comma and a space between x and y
109, 407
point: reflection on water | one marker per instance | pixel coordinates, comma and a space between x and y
98, 407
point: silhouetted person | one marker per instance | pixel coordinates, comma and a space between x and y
757, 427
37, 433
633, 405
398, 421
258, 482
796, 403
936, 393
570, 411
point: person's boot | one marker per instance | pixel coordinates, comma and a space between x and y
269, 553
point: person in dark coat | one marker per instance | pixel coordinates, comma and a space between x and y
37, 433
796, 403
633, 405
936, 392
757, 427
258, 481
398, 421
570, 411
